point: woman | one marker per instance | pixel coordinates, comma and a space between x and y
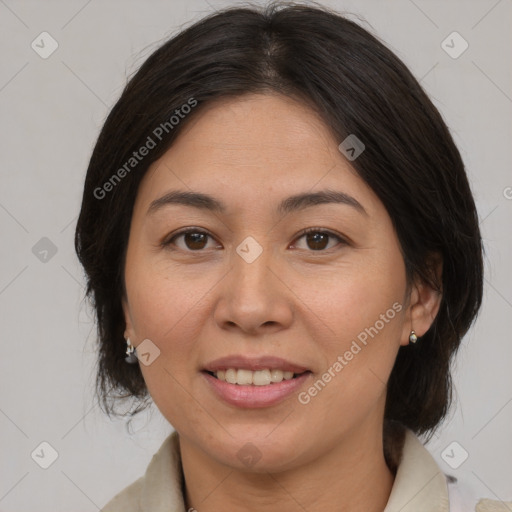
278, 230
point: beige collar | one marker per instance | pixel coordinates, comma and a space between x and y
420, 486
162, 490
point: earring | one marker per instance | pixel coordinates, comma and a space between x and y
131, 356
412, 337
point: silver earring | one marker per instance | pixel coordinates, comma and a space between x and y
131, 356
412, 337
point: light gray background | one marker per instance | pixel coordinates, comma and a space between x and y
51, 113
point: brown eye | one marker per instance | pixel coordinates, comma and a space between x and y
318, 240
193, 240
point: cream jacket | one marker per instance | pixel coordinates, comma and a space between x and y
420, 486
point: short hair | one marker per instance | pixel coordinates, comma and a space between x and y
357, 86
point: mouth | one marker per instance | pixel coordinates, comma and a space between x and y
245, 377
254, 382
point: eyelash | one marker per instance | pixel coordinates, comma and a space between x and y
168, 242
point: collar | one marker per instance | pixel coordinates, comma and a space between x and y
419, 486
163, 481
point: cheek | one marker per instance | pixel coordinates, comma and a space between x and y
167, 314
354, 297
362, 307
162, 301
168, 309
359, 358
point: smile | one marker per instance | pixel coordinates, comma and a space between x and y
251, 395
244, 377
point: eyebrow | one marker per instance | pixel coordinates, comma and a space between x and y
290, 204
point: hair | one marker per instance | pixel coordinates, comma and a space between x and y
357, 86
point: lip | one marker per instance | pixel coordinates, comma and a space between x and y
253, 397
254, 363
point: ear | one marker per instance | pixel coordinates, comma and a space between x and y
424, 301
129, 331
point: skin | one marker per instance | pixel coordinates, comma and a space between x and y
201, 301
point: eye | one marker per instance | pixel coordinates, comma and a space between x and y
317, 239
193, 238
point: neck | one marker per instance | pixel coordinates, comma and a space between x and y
353, 475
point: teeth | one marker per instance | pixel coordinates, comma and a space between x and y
244, 377
248, 377
276, 375
231, 376
260, 378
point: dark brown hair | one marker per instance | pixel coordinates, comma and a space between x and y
357, 86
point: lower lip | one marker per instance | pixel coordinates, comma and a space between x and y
252, 397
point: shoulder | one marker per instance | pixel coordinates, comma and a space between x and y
463, 499
420, 482
159, 489
486, 505
128, 500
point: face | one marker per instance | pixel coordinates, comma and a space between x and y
244, 288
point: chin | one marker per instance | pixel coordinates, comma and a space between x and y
257, 452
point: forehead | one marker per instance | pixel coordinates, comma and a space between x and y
255, 147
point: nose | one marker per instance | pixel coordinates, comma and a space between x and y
253, 296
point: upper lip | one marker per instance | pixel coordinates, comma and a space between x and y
254, 363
